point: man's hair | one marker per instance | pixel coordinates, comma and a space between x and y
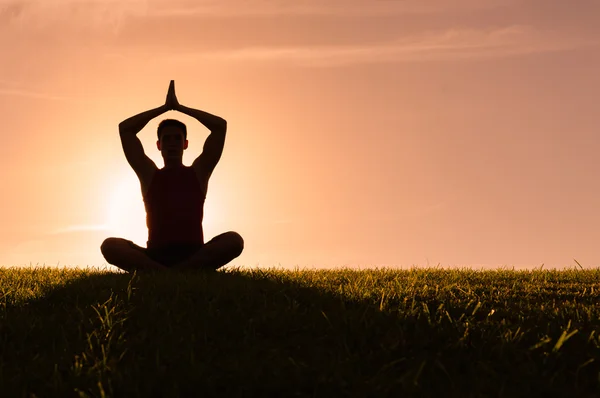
174, 123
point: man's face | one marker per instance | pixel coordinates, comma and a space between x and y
172, 143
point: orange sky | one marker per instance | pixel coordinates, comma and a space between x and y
360, 133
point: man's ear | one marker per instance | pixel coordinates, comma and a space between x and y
158, 144
185, 144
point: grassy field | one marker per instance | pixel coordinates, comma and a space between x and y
263, 333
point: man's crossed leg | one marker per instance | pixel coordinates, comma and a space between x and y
212, 255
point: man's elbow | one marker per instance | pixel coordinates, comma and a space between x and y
222, 125
219, 127
123, 128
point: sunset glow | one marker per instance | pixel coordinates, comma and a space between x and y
126, 217
360, 133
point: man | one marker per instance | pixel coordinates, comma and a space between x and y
173, 196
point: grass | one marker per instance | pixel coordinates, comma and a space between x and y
303, 333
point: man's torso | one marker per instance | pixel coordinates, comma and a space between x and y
174, 202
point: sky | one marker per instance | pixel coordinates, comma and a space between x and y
361, 133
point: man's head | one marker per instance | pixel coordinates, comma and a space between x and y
172, 138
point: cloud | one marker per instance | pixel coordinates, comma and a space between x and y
18, 89
34, 15
12, 10
171, 29
30, 94
446, 45
316, 7
114, 11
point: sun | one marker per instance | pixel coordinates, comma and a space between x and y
126, 213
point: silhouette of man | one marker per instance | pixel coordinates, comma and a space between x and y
173, 196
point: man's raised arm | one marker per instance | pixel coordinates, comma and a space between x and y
132, 146
214, 123
135, 124
213, 146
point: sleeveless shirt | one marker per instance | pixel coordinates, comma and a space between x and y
174, 206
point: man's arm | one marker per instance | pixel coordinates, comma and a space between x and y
132, 146
213, 146
136, 123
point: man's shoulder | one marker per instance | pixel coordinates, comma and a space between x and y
202, 171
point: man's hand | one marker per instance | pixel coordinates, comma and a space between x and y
212, 122
171, 102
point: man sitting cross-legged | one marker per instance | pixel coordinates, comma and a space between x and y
173, 196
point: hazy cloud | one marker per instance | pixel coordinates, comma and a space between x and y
450, 44
316, 7
30, 94
10, 10
19, 89
93, 14
113, 11
175, 27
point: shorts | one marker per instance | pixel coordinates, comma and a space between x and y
169, 255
